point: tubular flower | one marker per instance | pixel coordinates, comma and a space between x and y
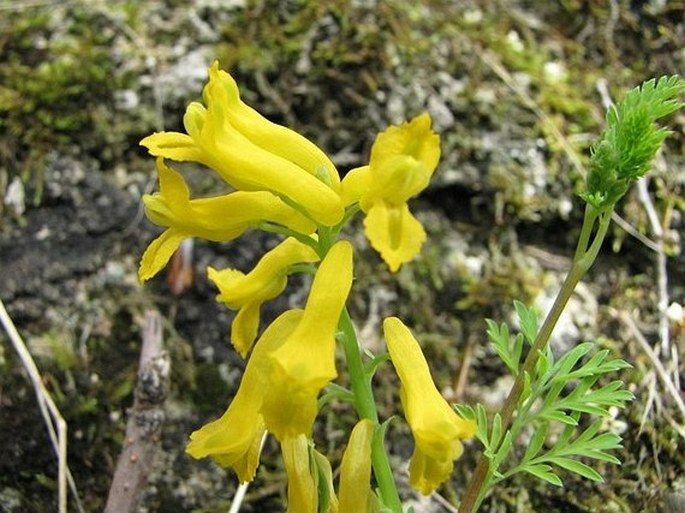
234, 439
220, 218
355, 472
252, 153
403, 158
303, 495
247, 292
437, 429
305, 363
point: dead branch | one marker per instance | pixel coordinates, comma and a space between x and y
144, 426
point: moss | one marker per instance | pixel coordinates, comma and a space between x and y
58, 75
506, 275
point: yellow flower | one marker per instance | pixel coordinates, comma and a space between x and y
220, 218
234, 439
403, 159
354, 494
303, 495
437, 429
247, 292
305, 363
252, 153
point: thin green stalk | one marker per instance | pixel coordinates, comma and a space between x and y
585, 231
366, 408
584, 258
282, 230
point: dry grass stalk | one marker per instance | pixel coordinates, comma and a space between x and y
55, 423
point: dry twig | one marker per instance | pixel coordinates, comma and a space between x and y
144, 423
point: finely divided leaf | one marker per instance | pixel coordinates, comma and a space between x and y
577, 467
528, 319
500, 338
544, 472
536, 442
627, 146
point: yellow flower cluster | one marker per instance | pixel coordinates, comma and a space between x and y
403, 159
284, 183
290, 364
283, 178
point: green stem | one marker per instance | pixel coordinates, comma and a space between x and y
584, 258
585, 231
366, 409
327, 238
282, 230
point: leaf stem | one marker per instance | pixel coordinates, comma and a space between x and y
586, 253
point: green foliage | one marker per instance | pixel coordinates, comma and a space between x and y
57, 79
508, 347
631, 139
559, 392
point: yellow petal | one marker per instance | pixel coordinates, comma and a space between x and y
173, 199
426, 473
266, 281
194, 120
219, 218
302, 493
159, 252
435, 425
174, 146
248, 167
245, 327
355, 470
292, 407
227, 280
414, 138
306, 361
354, 185
277, 139
223, 218
403, 158
394, 233
245, 466
395, 180
328, 294
231, 440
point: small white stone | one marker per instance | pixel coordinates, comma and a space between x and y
15, 197
555, 71
674, 312
514, 41
473, 16
43, 233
